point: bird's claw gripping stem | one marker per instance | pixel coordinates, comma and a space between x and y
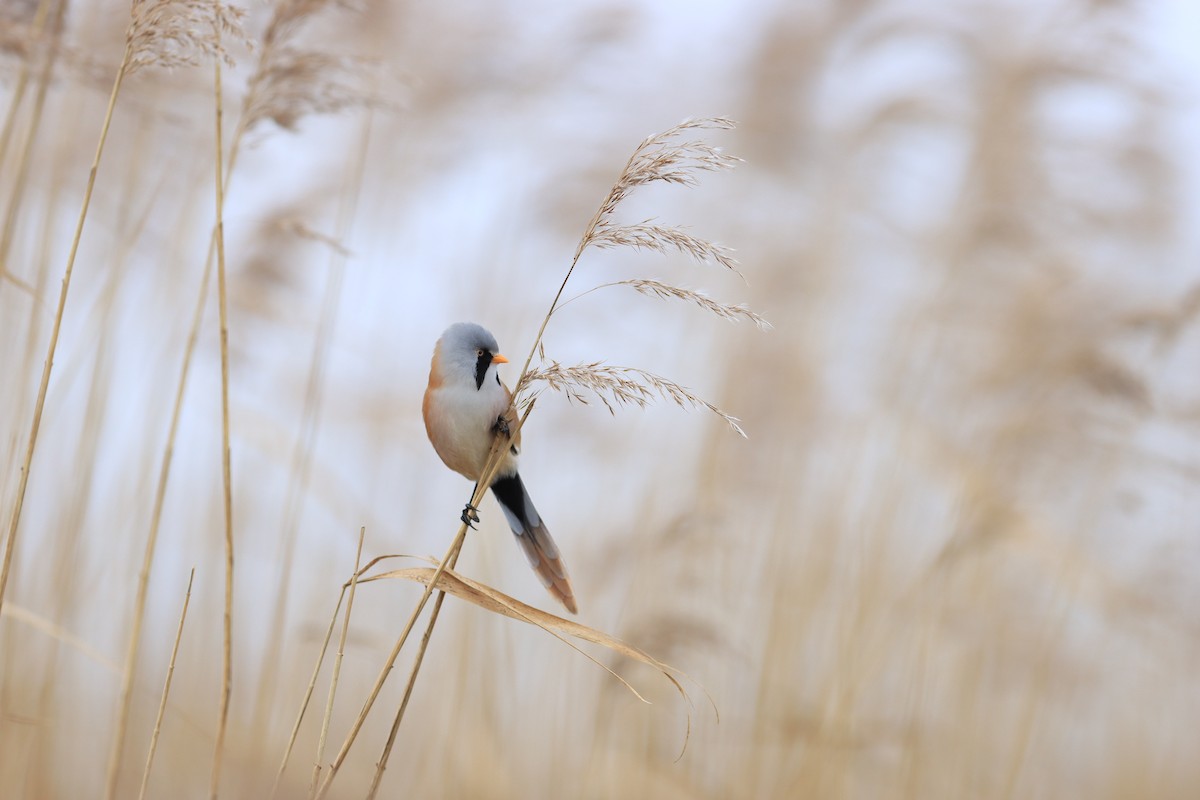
470, 514
502, 426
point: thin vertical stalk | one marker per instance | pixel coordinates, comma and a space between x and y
162, 704
455, 546
491, 466
381, 765
139, 605
226, 471
337, 669
391, 660
10, 543
100, 396
164, 470
39, 105
302, 455
287, 753
18, 96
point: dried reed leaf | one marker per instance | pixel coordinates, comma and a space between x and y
620, 385
497, 602
50, 628
662, 238
175, 33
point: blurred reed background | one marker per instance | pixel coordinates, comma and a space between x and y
955, 558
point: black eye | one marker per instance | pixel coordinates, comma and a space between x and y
479, 353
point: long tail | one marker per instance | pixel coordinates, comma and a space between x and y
534, 539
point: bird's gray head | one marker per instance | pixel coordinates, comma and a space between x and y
468, 352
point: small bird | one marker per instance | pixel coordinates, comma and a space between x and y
465, 404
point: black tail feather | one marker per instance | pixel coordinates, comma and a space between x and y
533, 537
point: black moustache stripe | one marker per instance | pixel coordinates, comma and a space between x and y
481, 367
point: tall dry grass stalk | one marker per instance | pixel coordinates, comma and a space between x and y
287, 17
302, 452
160, 33
226, 466
165, 34
130, 224
490, 467
418, 660
308, 692
337, 669
35, 33
49, 59
10, 541
166, 692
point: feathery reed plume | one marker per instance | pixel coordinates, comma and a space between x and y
293, 81
620, 385
659, 157
288, 15
665, 291
662, 157
662, 239
297, 82
181, 33
162, 705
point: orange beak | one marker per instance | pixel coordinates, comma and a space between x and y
499, 359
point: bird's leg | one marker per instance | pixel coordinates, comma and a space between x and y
471, 513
